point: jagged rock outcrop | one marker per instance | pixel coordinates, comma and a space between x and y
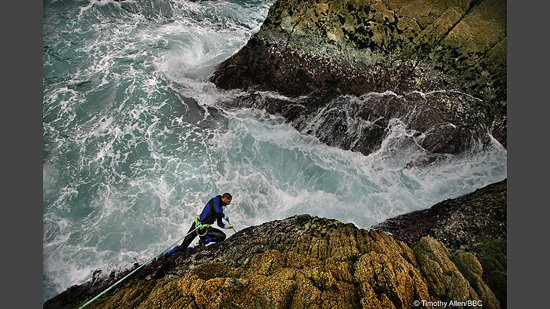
475, 222
298, 262
438, 66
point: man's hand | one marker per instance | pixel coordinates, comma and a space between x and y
229, 226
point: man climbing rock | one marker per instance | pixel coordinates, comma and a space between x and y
212, 211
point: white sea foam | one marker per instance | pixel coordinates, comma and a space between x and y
136, 142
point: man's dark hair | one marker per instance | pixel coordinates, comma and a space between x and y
227, 195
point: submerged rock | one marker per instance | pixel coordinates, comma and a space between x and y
299, 262
445, 61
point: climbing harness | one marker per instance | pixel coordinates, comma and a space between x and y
201, 226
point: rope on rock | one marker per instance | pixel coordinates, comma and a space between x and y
128, 275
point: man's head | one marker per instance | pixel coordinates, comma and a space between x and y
226, 198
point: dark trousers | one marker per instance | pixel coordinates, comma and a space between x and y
207, 235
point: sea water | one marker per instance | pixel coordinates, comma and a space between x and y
136, 140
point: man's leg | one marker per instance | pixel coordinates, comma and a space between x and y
191, 234
189, 238
213, 235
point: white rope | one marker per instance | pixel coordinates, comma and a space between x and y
128, 275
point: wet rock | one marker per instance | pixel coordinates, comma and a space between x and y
299, 262
321, 51
475, 222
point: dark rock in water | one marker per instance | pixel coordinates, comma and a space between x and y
454, 52
456, 222
349, 72
299, 262
475, 222
362, 123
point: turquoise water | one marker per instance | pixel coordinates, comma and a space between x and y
136, 140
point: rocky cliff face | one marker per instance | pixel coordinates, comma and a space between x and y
346, 71
475, 222
298, 262
438, 66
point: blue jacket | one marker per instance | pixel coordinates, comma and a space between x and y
213, 212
